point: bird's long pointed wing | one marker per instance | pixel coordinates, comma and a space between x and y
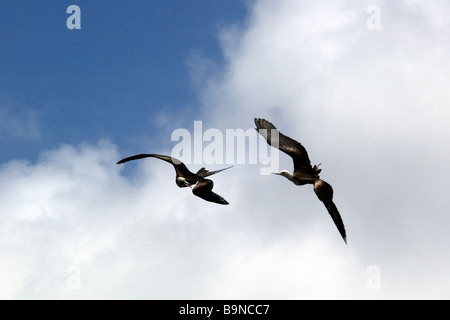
135, 157
203, 189
334, 213
324, 192
288, 145
213, 197
179, 166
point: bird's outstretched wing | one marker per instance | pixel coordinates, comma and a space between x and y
334, 213
179, 166
288, 145
203, 189
324, 192
135, 157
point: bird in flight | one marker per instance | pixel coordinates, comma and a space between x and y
200, 186
303, 172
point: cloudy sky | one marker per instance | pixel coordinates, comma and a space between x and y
362, 85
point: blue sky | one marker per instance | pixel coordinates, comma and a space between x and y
362, 85
108, 80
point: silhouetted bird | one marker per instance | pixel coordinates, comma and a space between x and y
303, 172
185, 178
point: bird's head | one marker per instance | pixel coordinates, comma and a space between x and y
286, 174
283, 173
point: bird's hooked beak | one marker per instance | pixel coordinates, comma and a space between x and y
277, 173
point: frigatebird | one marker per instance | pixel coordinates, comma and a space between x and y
303, 172
185, 178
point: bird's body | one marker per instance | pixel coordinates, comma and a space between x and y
185, 178
304, 172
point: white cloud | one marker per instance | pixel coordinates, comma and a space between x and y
134, 236
371, 105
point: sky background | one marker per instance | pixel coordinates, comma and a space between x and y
362, 85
